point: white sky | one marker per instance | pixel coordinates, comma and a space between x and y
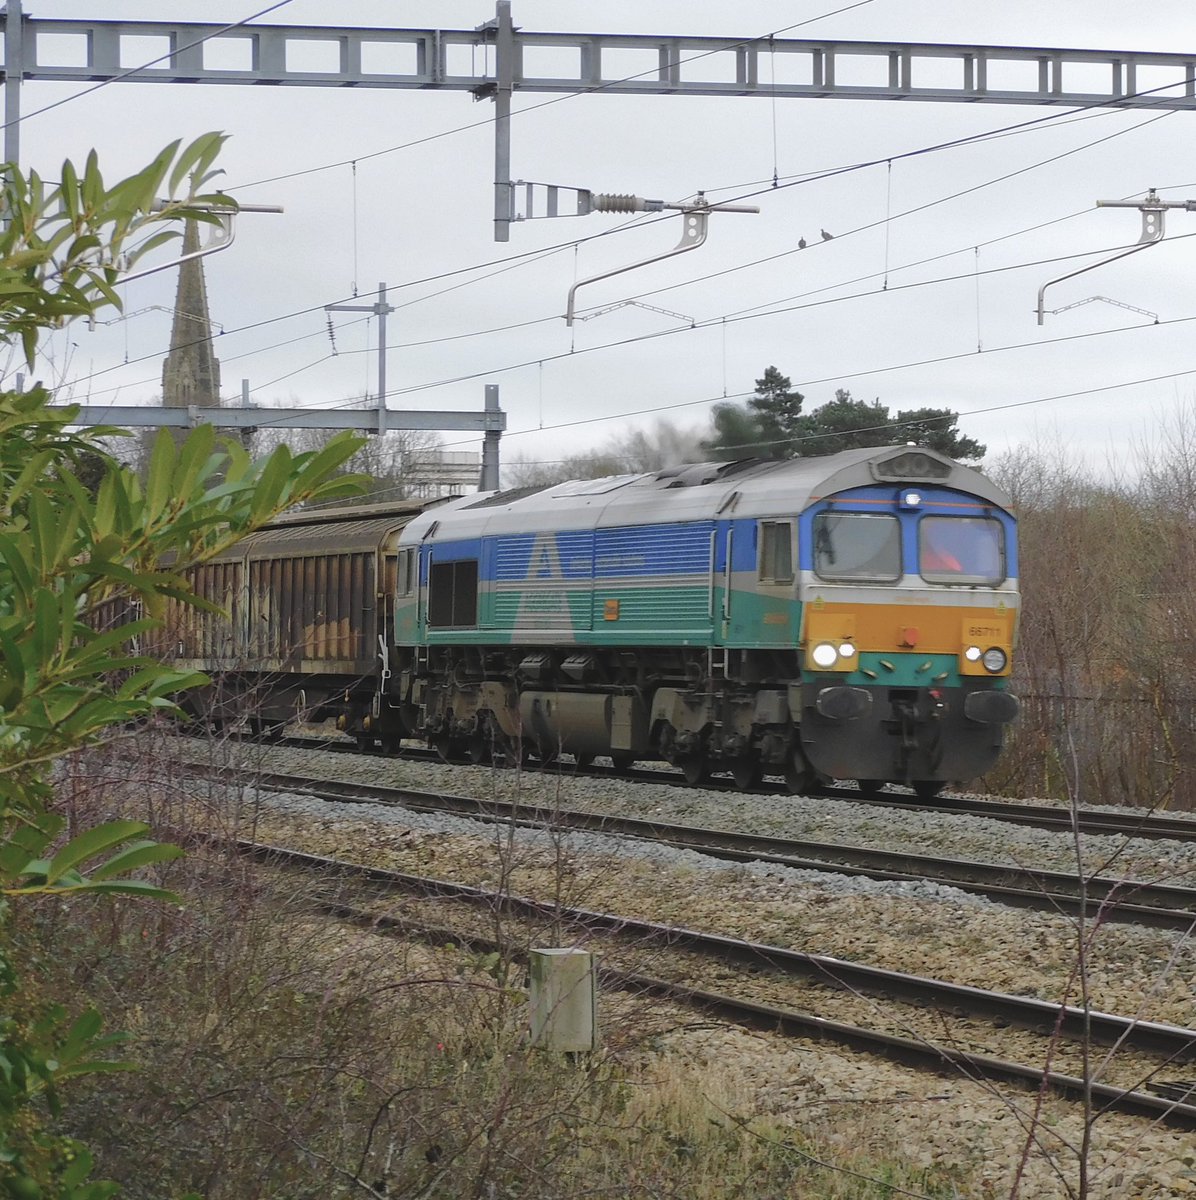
425, 211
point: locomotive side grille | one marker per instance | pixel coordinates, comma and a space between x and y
653, 550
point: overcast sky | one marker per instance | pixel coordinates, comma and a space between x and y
417, 214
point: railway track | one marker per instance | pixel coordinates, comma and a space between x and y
1144, 824
1168, 1043
1097, 898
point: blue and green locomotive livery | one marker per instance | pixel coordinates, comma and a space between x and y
847, 616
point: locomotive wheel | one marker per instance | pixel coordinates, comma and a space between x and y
800, 777
747, 773
695, 768
449, 749
927, 789
477, 749
501, 752
870, 787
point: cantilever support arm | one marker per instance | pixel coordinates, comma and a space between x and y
1154, 215
221, 238
692, 236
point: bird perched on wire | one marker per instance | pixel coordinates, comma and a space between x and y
801, 243
826, 237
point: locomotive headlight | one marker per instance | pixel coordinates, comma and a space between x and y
824, 655
846, 650
994, 659
972, 653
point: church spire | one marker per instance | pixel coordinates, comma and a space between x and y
191, 373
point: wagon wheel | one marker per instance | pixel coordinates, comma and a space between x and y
622, 760
266, 729
695, 768
927, 789
747, 773
870, 787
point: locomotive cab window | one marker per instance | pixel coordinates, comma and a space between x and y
405, 583
453, 594
857, 546
776, 552
961, 550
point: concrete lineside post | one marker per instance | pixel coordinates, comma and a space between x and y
564, 1000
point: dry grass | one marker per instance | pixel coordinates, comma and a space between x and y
284, 1055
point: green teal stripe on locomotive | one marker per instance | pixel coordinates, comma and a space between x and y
664, 583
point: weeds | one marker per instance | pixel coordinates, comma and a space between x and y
282, 1055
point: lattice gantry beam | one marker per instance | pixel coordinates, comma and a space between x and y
491, 421
465, 59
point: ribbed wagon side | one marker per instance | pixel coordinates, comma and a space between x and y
301, 624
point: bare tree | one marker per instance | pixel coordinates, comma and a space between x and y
394, 460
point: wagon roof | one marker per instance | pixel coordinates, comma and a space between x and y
353, 529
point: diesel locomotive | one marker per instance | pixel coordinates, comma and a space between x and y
851, 616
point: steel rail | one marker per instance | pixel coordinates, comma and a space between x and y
1098, 898
1144, 824
1173, 1042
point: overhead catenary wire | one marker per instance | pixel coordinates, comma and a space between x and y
543, 252
837, 377
509, 262
919, 208
841, 376
713, 322
721, 320
970, 412
879, 428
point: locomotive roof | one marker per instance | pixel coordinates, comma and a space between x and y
700, 491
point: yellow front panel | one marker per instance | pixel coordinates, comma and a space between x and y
930, 629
